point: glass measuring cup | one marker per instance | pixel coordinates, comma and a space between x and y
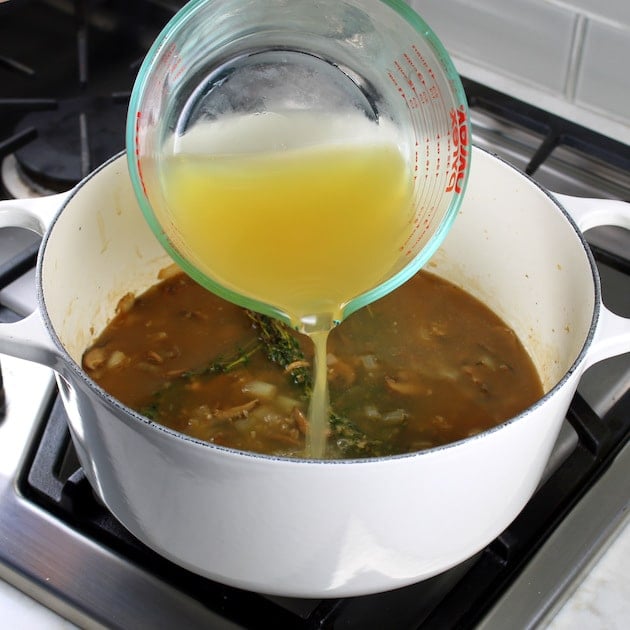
242, 91
299, 158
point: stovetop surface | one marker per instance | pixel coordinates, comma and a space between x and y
52, 529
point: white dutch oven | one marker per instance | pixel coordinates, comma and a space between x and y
317, 529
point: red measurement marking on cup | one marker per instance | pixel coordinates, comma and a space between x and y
402, 83
171, 65
434, 91
416, 71
415, 82
411, 84
137, 152
169, 69
419, 229
459, 151
438, 159
445, 156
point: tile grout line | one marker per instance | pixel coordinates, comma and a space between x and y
575, 57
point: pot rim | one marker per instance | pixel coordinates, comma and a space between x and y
131, 416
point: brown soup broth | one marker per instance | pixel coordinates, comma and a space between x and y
424, 366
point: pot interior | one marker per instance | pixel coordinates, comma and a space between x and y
516, 251
510, 246
99, 248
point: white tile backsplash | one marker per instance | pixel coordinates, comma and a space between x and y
530, 39
604, 79
614, 11
571, 57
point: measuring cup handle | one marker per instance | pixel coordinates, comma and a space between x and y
612, 335
28, 338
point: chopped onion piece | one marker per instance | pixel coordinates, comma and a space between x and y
287, 404
116, 359
369, 361
262, 413
372, 412
243, 425
169, 272
260, 389
396, 416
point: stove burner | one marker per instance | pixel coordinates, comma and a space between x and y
72, 139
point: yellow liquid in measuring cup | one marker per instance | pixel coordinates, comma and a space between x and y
304, 228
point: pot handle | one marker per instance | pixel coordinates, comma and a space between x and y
612, 335
28, 338
34, 214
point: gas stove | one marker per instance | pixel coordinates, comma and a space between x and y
66, 69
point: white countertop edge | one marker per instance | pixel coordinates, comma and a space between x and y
602, 600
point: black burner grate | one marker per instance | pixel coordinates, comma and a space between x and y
66, 114
73, 138
554, 130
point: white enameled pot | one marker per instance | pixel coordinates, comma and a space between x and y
318, 528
